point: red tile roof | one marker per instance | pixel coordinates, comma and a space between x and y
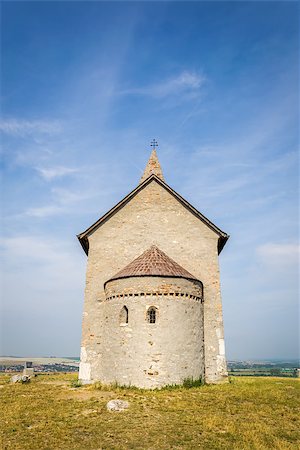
153, 262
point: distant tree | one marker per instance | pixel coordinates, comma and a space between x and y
275, 371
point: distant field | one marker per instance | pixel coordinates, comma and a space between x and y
248, 413
11, 360
263, 372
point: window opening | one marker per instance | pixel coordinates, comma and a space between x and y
124, 315
151, 314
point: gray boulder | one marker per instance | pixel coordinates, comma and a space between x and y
20, 379
25, 379
16, 378
117, 405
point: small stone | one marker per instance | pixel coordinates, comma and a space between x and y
20, 379
16, 378
117, 405
25, 379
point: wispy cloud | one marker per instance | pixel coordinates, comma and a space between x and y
63, 201
49, 255
48, 173
186, 82
36, 248
44, 211
279, 254
19, 127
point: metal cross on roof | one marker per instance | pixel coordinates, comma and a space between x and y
154, 143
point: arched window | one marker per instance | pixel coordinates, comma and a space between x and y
123, 315
152, 314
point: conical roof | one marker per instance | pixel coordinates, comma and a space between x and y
153, 262
152, 167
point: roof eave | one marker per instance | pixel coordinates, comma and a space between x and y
221, 242
84, 243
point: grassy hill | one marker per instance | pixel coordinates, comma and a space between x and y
248, 413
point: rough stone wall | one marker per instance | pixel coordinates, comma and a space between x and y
172, 286
153, 216
151, 355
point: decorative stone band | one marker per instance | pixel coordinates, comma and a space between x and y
155, 294
152, 286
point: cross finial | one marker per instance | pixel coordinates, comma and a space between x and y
153, 166
154, 144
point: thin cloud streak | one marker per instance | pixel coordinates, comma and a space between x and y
64, 202
44, 211
279, 254
21, 127
55, 172
186, 82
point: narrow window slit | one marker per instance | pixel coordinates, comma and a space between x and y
123, 318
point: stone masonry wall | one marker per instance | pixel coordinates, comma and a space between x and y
150, 355
153, 216
157, 285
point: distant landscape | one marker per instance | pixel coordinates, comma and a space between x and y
270, 367
11, 364
278, 368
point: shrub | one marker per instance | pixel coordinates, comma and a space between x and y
76, 383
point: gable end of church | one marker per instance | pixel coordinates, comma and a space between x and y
83, 237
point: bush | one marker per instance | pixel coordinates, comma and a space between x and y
76, 383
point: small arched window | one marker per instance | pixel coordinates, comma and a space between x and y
152, 314
123, 319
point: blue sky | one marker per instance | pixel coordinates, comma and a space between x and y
85, 87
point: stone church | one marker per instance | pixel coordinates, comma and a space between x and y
152, 310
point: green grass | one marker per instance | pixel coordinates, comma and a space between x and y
248, 413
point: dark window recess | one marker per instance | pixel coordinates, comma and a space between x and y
124, 315
151, 314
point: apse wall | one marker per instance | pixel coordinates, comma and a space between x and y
135, 351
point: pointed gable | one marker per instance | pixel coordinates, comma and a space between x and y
153, 262
152, 173
153, 167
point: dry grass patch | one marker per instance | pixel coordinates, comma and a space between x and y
249, 413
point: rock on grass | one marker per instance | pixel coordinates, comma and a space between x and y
117, 405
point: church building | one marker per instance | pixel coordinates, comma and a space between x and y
152, 310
